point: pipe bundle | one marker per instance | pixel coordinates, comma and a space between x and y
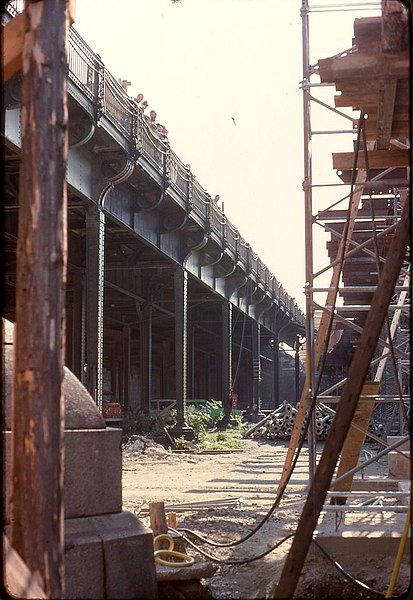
281, 422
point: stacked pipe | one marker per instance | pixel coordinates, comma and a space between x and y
280, 423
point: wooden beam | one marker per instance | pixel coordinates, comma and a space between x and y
378, 159
345, 409
13, 34
356, 100
354, 441
399, 130
360, 65
352, 86
394, 27
39, 335
369, 27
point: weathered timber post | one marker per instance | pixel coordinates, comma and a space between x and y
37, 422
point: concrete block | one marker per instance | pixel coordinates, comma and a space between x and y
79, 406
84, 561
93, 472
399, 465
19, 581
128, 554
109, 556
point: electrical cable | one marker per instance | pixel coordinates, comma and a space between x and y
224, 561
244, 561
344, 572
260, 524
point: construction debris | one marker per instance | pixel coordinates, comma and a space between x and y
138, 444
236, 503
281, 422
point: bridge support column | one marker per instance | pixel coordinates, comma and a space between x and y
165, 388
191, 361
181, 428
226, 365
145, 340
78, 319
126, 346
95, 267
276, 369
256, 369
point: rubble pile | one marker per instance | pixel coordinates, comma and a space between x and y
281, 422
138, 444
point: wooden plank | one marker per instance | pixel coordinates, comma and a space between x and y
13, 35
158, 523
352, 86
345, 410
354, 441
378, 159
359, 66
367, 27
369, 99
356, 100
399, 130
199, 570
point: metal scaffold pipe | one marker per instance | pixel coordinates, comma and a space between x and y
310, 368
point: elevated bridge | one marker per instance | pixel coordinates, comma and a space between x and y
165, 298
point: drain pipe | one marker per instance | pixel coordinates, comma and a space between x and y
86, 138
157, 203
197, 247
124, 174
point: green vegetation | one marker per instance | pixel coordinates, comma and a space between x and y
201, 416
230, 439
140, 423
203, 420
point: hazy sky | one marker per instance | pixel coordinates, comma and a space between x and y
224, 78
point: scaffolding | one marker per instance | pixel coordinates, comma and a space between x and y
368, 121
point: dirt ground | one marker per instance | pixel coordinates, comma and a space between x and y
251, 477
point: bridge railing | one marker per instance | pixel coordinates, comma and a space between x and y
200, 199
179, 174
87, 71
85, 68
153, 147
119, 108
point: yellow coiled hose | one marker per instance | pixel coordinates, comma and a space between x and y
186, 561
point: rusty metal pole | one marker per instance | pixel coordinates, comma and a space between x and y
37, 414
